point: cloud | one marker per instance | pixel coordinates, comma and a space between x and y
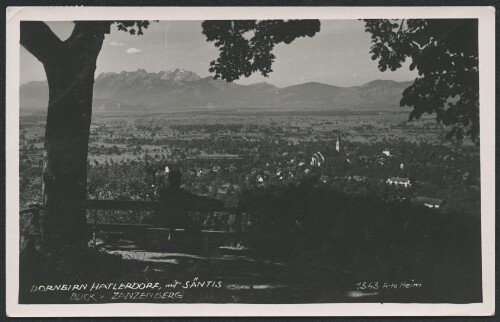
116, 44
133, 51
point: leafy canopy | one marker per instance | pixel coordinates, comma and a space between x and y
246, 46
133, 27
445, 54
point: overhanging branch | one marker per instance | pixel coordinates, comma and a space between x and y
39, 40
87, 36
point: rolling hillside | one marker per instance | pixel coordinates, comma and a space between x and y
180, 89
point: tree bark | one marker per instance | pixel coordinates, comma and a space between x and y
70, 68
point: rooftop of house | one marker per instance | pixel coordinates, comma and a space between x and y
399, 179
428, 200
204, 171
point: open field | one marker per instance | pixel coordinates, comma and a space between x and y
247, 144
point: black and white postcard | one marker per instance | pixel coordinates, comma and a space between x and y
292, 161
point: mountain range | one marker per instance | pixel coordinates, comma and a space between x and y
181, 89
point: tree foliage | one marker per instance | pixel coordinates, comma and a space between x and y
246, 46
133, 27
445, 54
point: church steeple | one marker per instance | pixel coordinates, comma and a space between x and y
337, 144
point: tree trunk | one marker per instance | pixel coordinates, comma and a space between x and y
66, 149
70, 68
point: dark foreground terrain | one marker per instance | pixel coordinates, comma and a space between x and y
186, 272
301, 244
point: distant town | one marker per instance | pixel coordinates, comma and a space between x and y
223, 153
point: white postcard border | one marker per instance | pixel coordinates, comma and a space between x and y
486, 16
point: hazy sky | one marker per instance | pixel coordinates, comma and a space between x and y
337, 55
